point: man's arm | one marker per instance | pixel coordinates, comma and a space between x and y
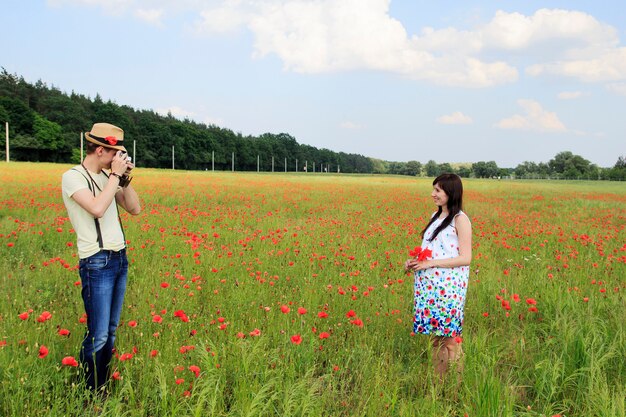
127, 198
97, 206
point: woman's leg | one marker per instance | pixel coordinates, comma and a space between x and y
447, 352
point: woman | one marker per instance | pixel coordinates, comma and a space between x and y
441, 282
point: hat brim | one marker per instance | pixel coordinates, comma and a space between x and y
104, 145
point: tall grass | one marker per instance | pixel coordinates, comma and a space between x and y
543, 336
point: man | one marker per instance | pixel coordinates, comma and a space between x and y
90, 195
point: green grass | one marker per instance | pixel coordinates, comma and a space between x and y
239, 246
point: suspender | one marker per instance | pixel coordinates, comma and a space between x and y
92, 187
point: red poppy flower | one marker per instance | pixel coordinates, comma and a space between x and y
116, 376
285, 309
132, 323
322, 314
420, 254
23, 316
185, 349
157, 319
195, 369
45, 316
64, 332
301, 310
255, 332
69, 361
181, 314
154, 353
324, 335
296, 339
43, 351
112, 140
350, 313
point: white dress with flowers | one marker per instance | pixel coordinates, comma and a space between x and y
440, 292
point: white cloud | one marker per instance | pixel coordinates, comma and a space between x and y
350, 125
176, 111
607, 66
227, 17
515, 31
617, 88
151, 16
535, 118
322, 36
456, 118
328, 36
569, 95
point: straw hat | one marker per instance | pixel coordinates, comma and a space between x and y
107, 135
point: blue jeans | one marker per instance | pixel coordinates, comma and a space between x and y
103, 277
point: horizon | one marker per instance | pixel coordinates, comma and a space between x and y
509, 84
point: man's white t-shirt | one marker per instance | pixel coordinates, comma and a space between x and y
87, 237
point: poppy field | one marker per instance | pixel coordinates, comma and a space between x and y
284, 295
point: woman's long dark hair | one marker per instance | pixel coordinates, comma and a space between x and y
453, 187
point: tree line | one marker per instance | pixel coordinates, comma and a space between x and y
564, 165
45, 125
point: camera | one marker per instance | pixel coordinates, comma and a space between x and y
126, 178
127, 157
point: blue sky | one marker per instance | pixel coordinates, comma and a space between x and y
399, 80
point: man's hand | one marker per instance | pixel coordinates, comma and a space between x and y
119, 165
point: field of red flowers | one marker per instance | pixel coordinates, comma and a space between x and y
284, 295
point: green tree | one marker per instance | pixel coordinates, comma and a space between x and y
378, 166
413, 168
21, 117
445, 167
485, 169
4, 116
567, 165
432, 169
464, 171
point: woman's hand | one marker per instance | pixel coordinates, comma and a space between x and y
411, 264
420, 265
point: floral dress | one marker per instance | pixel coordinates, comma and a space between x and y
440, 292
